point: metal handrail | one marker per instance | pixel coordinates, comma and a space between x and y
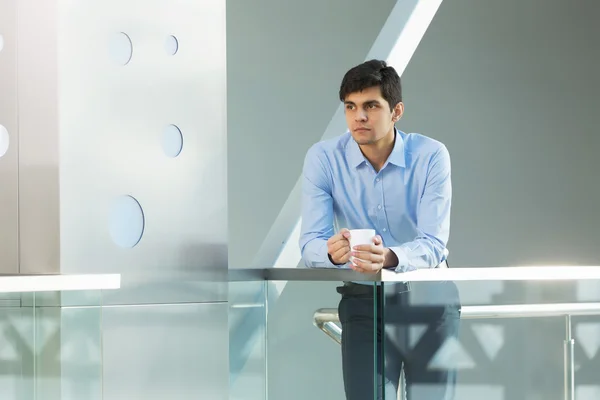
327, 320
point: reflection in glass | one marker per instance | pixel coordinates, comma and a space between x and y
524, 335
247, 340
302, 362
419, 334
49, 351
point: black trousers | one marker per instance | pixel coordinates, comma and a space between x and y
413, 325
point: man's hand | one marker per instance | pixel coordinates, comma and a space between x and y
370, 258
338, 247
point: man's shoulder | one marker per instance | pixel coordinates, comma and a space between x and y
328, 148
419, 143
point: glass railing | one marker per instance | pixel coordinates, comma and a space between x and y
51, 340
247, 340
275, 350
514, 333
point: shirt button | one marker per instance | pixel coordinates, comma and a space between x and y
384, 229
377, 180
379, 206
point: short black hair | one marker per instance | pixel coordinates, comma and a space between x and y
370, 74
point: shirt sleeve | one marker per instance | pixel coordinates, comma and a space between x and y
433, 219
317, 212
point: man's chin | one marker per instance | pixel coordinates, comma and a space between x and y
363, 141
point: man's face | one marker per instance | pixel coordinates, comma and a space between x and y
368, 115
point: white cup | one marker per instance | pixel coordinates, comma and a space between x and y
360, 236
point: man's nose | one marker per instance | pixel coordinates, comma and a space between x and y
361, 115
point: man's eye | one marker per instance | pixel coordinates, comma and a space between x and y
372, 106
349, 107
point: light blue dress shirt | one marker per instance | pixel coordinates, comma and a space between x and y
407, 202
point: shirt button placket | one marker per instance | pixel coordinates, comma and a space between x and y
380, 211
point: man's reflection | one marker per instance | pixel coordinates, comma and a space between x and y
377, 177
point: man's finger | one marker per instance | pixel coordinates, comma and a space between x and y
338, 245
340, 253
371, 257
335, 238
356, 267
341, 235
359, 264
377, 240
369, 248
365, 266
361, 255
364, 255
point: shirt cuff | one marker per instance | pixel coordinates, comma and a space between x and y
402, 259
327, 263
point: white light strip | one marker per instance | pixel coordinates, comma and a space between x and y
249, 305
56, 283
529, 310
541, 273
412, 33
290, 255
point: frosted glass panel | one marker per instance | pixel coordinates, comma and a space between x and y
49, 351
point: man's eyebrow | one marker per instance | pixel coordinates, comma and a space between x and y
365, 102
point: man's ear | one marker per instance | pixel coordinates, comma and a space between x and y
398, 112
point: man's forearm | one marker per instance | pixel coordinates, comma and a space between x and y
418, 254
315, 255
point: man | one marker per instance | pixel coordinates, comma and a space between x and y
375, 176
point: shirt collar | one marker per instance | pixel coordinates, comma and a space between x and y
355, 157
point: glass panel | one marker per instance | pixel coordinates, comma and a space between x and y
49, 350
247, 341
496, 340
16, 348
68, 350
511, 339
419, 328
305, 359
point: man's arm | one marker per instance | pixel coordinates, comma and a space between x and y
433, 219
317, 212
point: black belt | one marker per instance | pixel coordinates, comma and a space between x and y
358, 289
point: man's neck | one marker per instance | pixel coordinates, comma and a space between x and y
377, 153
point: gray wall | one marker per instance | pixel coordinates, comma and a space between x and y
510, 88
